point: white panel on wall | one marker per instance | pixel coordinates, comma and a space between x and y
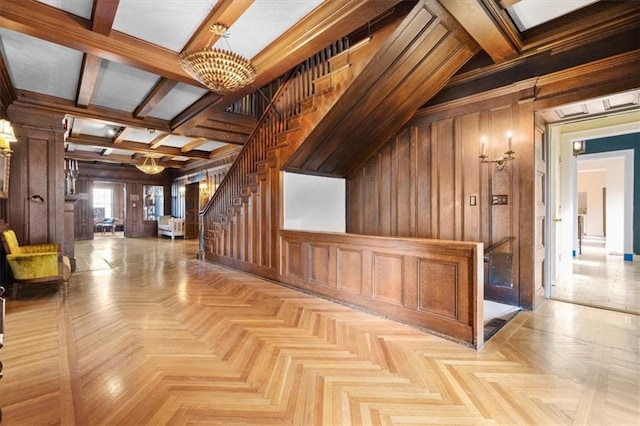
314, 203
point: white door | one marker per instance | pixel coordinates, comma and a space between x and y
562, 189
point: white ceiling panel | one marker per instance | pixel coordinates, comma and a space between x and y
177, 100
39, 66
530, 13
86, 148
121, 152
141, 135
177, 141
94, 127
82, 8
262, 23
211, 145
167, 23
122, 87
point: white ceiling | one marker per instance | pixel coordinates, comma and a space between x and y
530, 13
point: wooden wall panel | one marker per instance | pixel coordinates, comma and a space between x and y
421, 139
294, 260
36, 169
386, 269
404, 199
349, 267
319, 267
431, 284
430, 183
438, 287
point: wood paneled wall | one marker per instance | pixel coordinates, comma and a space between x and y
428, 181
427, 283
37, 169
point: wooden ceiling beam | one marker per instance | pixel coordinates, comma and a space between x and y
486, 32
46, 104
48, 23
225, 12
155, 96
224, 151
89, 73
7, 91
118, 158
104, 12
159, 140
97, 141
193, 145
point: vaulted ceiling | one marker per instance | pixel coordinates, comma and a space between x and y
110, 67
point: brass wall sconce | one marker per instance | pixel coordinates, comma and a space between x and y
70, 176
204, 189
579, 147
500, 160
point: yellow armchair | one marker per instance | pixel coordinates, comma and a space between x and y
32, 264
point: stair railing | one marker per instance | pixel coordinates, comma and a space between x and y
285, 104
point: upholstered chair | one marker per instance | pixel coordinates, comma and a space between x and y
32, 264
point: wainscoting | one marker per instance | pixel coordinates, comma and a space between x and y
432, 284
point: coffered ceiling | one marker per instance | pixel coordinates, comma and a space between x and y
110, 67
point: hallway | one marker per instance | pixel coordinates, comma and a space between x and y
150, 335
601, 280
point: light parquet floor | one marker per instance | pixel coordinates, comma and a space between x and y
602, 280
149, 335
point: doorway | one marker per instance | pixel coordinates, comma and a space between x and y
109, 213
591, 237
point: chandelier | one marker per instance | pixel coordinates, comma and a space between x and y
220, 70
149, 166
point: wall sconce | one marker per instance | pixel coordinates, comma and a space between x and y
204, 189
500, 160
6, 136
579, 147
70, 175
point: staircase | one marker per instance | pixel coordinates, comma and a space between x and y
240, 222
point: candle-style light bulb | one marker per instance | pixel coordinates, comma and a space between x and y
509, 138
483, 140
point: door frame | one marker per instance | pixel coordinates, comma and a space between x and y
559, 142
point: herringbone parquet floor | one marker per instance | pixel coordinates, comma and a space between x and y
149, 335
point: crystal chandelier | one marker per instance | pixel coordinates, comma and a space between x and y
220, 70
149, 166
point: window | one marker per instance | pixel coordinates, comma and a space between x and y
103, 199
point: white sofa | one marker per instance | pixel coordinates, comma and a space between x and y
170, 226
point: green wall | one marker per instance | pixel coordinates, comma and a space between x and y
617, 143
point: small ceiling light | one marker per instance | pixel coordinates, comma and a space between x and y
220, 70
149, 166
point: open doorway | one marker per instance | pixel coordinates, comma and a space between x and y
592, 240
108, 209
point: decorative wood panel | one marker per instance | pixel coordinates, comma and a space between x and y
319, 267
428, 182
386, 270
431, 284
350, 274
438, 288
